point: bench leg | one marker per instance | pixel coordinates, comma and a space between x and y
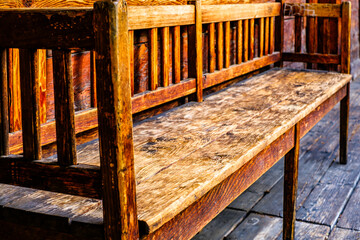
344, 125
290, 186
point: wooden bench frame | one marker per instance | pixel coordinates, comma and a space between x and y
114, 24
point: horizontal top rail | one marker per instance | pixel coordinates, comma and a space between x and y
312, 10
143, 17
233, 12
69, 28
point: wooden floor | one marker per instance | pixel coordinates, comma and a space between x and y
328, 202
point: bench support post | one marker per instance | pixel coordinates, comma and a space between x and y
115, 120
344, 125
290, 186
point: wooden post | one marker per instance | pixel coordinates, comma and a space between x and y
64, 107
279, 32
290, 186
115, 120
195, 52
30, 95
4, 107
345, 68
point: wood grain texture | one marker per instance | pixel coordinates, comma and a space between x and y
212, 54
267, 35
234, 12
251, 39
239, 41
344, 125
30, 93
312, 58
298, 30
261, 37
153, 58
290, 186
312, 10
227, 44
64, 107
41, 75
47, 28
165, 62
219, 45
131, 56
14, 89
176, 55
246, 40
4, 104
115, 118
146, 17
272, 35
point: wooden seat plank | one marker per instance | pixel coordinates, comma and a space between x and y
217, 137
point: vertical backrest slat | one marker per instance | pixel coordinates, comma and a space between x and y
239, 40
4, 101
246, 40
212, 54
272, 35
64, 107
252, 39
261, 36
345, 37
227, 44
195, 62
311, 35
279, 32
115, 120
165, 64
92, 80
220, 45
131, 55
298, 29
267, 32
176, 55
30, 94
153, 58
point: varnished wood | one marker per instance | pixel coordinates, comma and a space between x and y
131, 55
227, 44
153, 58
311, 58
312, 10
176, 55
40, 28
115, 118
219, 45
298, 29
4, 104
251, 39
212, 54
272, 35
30, 112
261, 37
234, 12
165, 62
246, 40
290, 186
14, 90
146, 17
311, 36
279, 32
93, 79
239, 41
345, 37
267, 35
64, 107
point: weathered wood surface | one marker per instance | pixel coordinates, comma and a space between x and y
350, 218
151, 145
344, 234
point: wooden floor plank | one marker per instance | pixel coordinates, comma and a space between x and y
324, 204
257, 227
306, 231
344, 234
350, 218
220, 226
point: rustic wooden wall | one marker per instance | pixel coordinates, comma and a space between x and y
82, 70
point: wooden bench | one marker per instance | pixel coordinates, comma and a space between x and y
167, 176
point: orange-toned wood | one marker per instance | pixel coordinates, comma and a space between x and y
115, 118
165, 63
41, 75
212, 54
345, 37
176, 55
227, 44
131, 55
251, 39
30, 93
312, 58
272, 35
267, 36
239, 41
261, 36
220, 45
153, 58
246, 40
14, 88
93, 80
298, 29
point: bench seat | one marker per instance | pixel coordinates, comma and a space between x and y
182, 154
